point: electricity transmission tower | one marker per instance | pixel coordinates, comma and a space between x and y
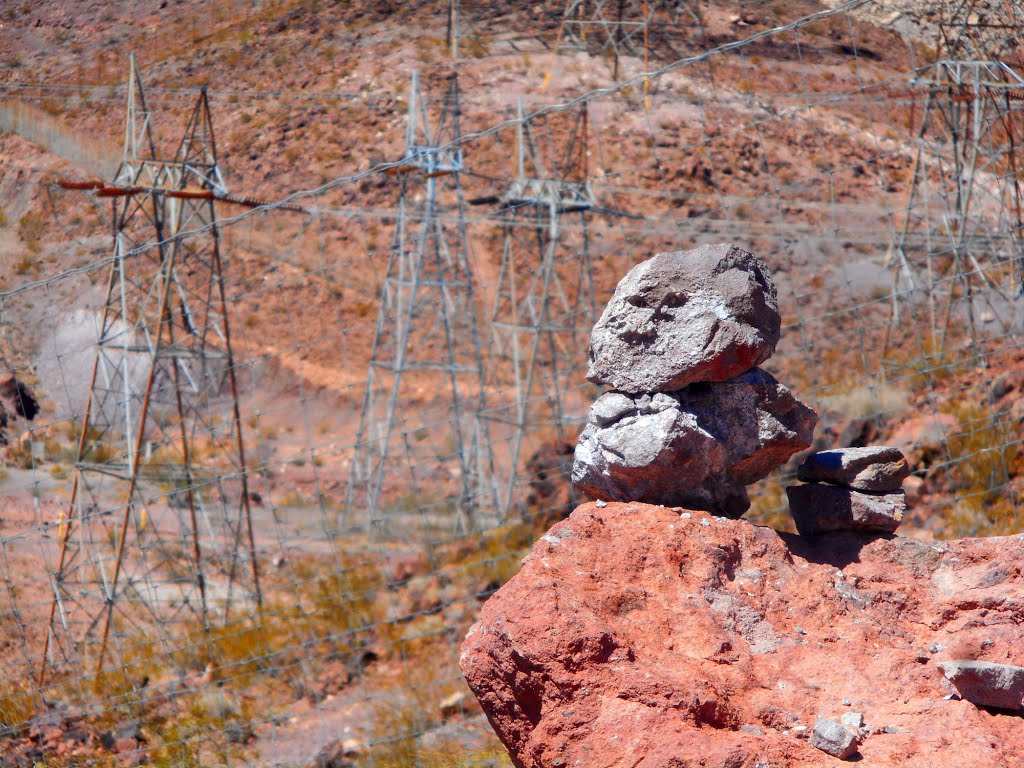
619, 28
979, 29
544, 307
160, 473
420, 435
959, 246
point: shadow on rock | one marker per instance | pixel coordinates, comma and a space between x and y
838, 548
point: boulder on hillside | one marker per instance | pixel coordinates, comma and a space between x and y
1000, 686
707, 314
697, 447
834, 738
636, 635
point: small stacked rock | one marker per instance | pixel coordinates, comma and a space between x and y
691, 420
850, 489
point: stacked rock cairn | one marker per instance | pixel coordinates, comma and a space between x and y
691, 420
859, 489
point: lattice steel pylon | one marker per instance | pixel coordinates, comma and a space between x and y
160, 482
544, 305
979, 30
959, 246
618, 28
426, 340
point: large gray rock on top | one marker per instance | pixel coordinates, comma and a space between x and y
698, 447
876, 468
708, 314
987, 684
824, 508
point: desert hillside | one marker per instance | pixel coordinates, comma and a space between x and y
295, 302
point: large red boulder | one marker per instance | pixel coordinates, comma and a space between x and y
651, 637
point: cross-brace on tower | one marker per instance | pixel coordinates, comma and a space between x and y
420, 435
617, 28
960, 242
161, 457
544, 306
979, 29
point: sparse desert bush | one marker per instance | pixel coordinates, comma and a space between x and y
984, 457
934, 364
768, 505
52, 107
19, 453
97, 452
325, 613
412, 712
474, 46
342, 602
868, 400
25, 264
18, 705
30, 229
494, 556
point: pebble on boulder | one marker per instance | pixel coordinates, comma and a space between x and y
707, 314
1000, 686
818, 508
873, 468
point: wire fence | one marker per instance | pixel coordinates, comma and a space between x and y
170, 599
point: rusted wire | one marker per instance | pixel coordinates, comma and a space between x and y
100, 189
81, 185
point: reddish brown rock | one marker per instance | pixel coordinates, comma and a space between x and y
126, 745
818, 508
638, 636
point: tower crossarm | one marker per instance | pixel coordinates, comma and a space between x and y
990, 75
561, 195
431, 161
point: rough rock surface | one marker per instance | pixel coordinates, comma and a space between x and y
834, 738
702, 315
698, 447
987, 684
872, 468
818, 508
638, 636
